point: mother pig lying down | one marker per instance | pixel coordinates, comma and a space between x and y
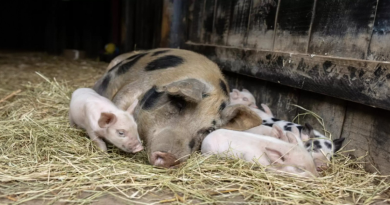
266, 150
182, 95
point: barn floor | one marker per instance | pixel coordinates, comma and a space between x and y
18, 70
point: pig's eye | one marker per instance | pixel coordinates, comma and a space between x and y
245, 99
178, 102
121, 133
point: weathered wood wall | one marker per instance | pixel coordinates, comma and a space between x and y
327, 56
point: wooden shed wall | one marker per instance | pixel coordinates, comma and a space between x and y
327, 56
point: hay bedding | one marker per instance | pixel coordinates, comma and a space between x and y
42, 158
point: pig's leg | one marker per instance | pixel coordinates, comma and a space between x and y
99, 142
71, 122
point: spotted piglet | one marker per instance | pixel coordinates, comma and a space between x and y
321, 147
243, 97
268, 151
103, 120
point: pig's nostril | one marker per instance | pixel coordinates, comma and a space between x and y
163, 159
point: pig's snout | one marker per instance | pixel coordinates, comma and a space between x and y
138, 148
163, 159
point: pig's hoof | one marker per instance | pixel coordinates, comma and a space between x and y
163, 159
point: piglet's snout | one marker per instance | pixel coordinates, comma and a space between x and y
163, 159
134, 146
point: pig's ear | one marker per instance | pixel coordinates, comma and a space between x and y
234, 94
267, 110
277, 132
239, 117
106, 119
308, 130
246, 91
274, 155
291, 138
338, 143
190, 89
132, 107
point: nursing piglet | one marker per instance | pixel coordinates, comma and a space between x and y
243, 97
265, 150
103, 120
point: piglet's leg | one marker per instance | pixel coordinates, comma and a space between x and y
99, 142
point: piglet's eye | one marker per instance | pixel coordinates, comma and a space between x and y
245, 99
121, 133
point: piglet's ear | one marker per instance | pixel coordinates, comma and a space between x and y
277, 132
106, 119
274, 155
308, 130
291, 138
239, 117
132, 107
245, 91
267, 110
234, 94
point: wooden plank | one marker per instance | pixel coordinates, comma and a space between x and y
279, 98
208, 21
367, 130
261, 24
294, 19
361, 81
331, 110
239, 23
129, 16
342, 28
222, 21
380, 40
144, 24
195, 20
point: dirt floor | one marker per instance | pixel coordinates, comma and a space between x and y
21, 69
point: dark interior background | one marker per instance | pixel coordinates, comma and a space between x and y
54, 25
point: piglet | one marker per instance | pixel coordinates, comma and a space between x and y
103, 120
265, 150
244, 97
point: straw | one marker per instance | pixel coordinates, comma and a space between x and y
43, 158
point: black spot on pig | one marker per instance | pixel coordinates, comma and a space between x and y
192, 143
289, 124
150, 98
338, 143
268, 124
103, 86
123, 68
328, 145
287, 128
300, 128
307, 144
222, 106
317, 144
326, 65
223, 87
159, 52
275, 119
164, 62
